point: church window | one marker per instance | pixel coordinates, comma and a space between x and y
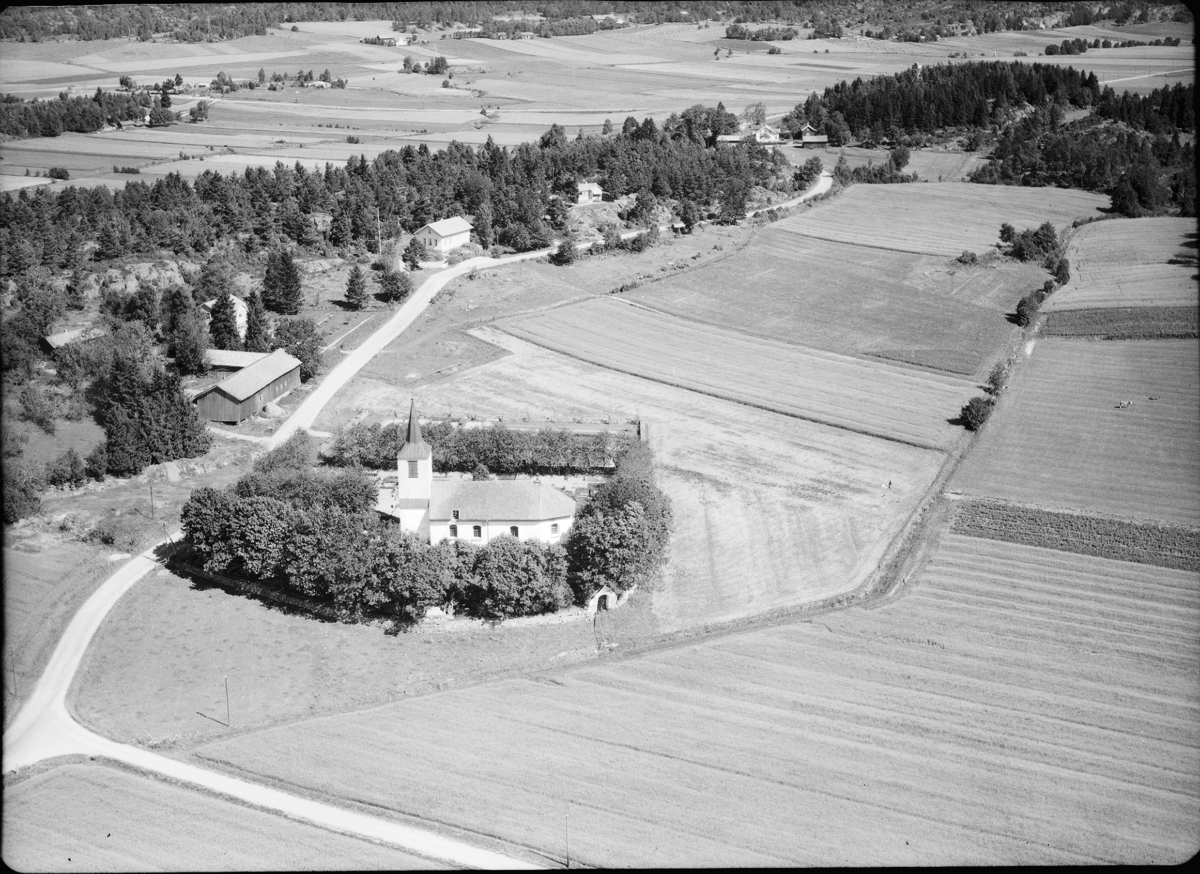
554, 528
514, 531
454, 514
412, 470
453, 530
476, 531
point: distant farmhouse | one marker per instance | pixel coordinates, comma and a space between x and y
240, 312
250, 389
441, 237
763, 134
471, 510
401, 40
766, 135
590, 192
809, 138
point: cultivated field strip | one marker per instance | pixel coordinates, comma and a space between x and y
938, 218
1130, 263
1157, 543
1124, 323
1057, 438
95, 818
855, 300
1017, 705
867, 397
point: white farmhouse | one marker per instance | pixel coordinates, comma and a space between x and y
475, 511
241, 312
590, 192
444, 236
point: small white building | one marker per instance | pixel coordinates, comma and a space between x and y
476, 511
766, 135
240, 312
444, 236
590, 192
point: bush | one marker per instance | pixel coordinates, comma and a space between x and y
967, 258
976, 412
37, 407
66, 470
58, 173
22, 491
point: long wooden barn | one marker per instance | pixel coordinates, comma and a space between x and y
250, 389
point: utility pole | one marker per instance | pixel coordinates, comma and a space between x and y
12, 664
567, 830
227, 720
151, 500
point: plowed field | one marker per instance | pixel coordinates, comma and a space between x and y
868, 397
1057, 438
1019, 706
938, 218
1126, 263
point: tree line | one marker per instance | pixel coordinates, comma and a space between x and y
314, 534
83, 115
498, 449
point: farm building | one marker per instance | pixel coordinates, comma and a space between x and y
728, 139
444, 236
475, 511
250, 389
240, 312
224, 359
526, 34
318, 84
74, 335
766, 135
590, 192
810, 138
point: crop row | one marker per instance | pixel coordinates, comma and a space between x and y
1155, 543
1125, 323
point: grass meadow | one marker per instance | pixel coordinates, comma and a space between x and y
938, 218
98, 818
855, 300
1058, 440
867, 397
1018, 705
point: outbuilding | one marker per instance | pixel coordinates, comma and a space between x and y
809, 138
590, 192
54, 342
444, 236
250, 389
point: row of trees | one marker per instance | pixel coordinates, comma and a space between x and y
499, 449
763, 34
83, 115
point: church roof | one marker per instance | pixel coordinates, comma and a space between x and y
502, 500
414, 448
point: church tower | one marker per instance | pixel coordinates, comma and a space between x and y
415, 469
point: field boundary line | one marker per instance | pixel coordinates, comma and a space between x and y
725, 397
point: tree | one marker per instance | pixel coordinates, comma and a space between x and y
282, 290
199, 112
414, 253
607, 127
566, 253
22, 491
396, 285
511, 579
262, 76
224, 327
258, 329
164, 99
755, 114
190, 339
689, 214
356, 288
976, 412
301, 340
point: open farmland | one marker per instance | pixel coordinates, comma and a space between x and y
1018, 706
726, 467
1124, 323
1130, 263
938, 218
97, 818
856, 300
866, 397
1057, 438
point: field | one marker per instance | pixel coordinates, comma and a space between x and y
856, 300
866, 397
1124, 323
1130, 263
928, 731
953, 217
727, 467
1057, 438
97, 818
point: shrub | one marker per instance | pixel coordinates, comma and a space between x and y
37, 407
997, 379
22, 491
967, 258
58, 173
66, 470
976, 412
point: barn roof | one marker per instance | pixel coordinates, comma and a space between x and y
229, 358
62, 338
502, 500
257, 376
449, 227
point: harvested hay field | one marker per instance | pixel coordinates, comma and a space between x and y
99, 818
871, 398
1155, 543
1131, 263
938, 218
727, 468
925, 732
855, 300
1058, 438
1124, 323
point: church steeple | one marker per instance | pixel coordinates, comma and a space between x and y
415, 448
414, 469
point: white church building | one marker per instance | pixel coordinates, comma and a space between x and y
472, 510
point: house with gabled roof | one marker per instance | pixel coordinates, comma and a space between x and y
810, 138
476, 511
246, 392
589, 192
444, 236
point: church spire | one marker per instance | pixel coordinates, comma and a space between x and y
414, 426
415, 446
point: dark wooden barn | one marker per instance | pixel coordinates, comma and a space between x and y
250, 389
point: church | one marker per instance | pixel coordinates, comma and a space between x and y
471, 510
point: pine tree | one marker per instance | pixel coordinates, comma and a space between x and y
282, 289
258, 329
224, 327
191, 343
75, 293
356, 289
395, 285
414, 253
